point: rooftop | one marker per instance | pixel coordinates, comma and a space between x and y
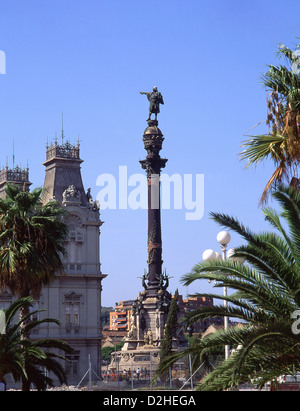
14, 174
65, 150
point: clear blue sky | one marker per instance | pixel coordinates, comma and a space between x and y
90, 58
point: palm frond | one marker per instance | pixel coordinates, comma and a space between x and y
258, 148
264, 294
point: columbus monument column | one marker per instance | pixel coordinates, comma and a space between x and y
152, 307
153, 139
150, 310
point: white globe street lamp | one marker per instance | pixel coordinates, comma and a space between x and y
223, 238
209, 255
218, 256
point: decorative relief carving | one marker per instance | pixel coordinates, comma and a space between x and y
94, 205
71, 195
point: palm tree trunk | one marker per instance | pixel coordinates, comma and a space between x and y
24, 312
25, 386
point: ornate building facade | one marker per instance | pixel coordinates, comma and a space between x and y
74, 297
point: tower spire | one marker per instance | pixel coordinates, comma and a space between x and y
13, 157
62, 128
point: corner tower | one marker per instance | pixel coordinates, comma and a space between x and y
63, 168
75, 296
17, 176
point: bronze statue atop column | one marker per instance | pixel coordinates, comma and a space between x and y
155, 98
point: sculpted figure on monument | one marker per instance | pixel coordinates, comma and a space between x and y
148, 338
94, 205
132, 332
163, 281
137, 306
155, 98
144, 279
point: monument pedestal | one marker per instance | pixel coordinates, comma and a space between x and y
145, 359
142, 344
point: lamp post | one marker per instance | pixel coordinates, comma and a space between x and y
223, 238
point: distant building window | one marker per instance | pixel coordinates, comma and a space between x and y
76, 314
72, 314
72, 310
72, 365
68, 314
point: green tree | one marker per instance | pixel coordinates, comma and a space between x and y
27, 359
282, 143
265, 296
32, 241
170, 332
107, 351
170, 328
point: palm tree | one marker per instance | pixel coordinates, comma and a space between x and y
11, 352
282, 142
32, 240
28, 359
266, 297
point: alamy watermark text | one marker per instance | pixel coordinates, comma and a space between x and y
2, 62
131, 192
